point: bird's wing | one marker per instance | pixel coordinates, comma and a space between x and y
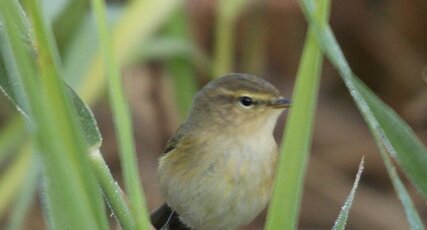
173, 141
164, 218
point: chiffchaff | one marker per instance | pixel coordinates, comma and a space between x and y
217, 170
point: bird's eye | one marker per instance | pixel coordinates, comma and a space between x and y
246, 101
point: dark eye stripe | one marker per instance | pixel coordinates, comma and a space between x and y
245, 101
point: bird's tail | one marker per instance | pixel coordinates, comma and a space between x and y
164, 218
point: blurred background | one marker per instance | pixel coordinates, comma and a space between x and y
385, 42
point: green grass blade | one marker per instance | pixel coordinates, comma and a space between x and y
180, 68
345, 209
391, 133
411, 213
73, 197
254, 46
26, 194
7, 63
82, 49
285, 204
9, 82
139, 22
227, 13
112, 192
396, 136
87, 206
50, 65
68, 21
11, 136
12, 178
10, 85
123, 124
86, 119
174, 46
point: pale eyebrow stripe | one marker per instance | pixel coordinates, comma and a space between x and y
241, 93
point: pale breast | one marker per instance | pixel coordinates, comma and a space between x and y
222, 189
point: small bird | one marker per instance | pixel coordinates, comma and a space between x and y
217, 170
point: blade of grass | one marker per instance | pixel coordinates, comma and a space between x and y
7, 63
254, 59
13, 88
411, 213
180, 68
165, 47
68, 21
83, 47
74, 201
168, 47
285, 204
13, 177
83, 196
123, 124
112, 191
138, 23
11, 135
397, 137
10, 86
227, 13
345, 209
85, 117
392, 135
50, 64
26, 194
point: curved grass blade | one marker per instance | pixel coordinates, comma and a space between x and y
168, 46
26, 196
11, 136
86, 119
10, 77
70, 140
397, 137
12, 177
68, 21
180, 68
393, 136
123, 124
227, 13
411, 213
9, 85
345, 209
112, 191
83, 47
13, 89
284, 208
138, 23
73, 197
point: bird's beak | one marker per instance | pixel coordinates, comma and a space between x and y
281, 103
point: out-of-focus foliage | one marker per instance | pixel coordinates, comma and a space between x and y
295, 148
164, 49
